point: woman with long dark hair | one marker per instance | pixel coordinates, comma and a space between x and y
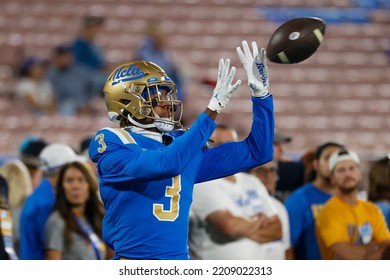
74, 229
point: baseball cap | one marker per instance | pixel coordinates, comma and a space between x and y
29, 62
57, 155
281, 138
32, 146
342, 155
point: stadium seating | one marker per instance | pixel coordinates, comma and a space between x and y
341, 93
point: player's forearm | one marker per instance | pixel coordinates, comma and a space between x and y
260, 139
234, 157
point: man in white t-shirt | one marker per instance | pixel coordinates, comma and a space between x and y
280, 249
232, 217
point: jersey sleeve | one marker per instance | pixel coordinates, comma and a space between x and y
120, 159
256, 149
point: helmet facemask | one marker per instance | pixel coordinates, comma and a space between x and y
143, 94
163, 98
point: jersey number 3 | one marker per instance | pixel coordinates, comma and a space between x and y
102, 144
174, 193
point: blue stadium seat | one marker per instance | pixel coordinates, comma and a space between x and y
369, 4
329, 14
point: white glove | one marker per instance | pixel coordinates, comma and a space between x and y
223, 90
256, 69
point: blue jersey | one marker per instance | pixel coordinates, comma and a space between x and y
35, 212
146, 187
303, 205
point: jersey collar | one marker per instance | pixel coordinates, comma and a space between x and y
147, 133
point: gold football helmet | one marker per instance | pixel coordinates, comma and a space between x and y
134, 89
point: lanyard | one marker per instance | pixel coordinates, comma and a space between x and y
6, 232
93, 238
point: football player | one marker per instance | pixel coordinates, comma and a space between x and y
147, 168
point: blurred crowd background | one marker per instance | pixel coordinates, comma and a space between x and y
341, 93
55, 56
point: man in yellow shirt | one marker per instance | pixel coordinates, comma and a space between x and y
348, 227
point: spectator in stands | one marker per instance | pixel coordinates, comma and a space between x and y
29, 150
379, 186
84, 145
7, 251
290, 173
304, 204
39, 204
87, 52
75, 85
74, 229
347, 227
267, 173
84, 48
83, 150
388, 46
307, 159
280, 140
154, 48
232, 217
34, 89
19, 188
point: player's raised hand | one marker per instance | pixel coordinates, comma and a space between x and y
224, 89
255, 67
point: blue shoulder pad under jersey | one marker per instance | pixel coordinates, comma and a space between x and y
169, 137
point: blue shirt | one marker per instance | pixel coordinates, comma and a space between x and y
74, 87
88, 53
303, 205
146, 187
36, 210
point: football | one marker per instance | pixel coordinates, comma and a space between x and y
295, 40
